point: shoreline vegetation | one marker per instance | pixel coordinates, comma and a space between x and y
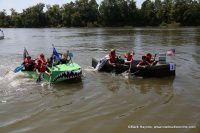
110, 13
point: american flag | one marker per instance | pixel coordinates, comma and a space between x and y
170, 52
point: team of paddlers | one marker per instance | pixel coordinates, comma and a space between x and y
40, 65
113, 59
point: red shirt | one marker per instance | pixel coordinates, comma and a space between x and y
148, 58
112, 58
128, 57
41, 68
42, 60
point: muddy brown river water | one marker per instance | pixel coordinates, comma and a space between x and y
101, 102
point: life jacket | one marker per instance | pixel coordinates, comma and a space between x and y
113, 59
42, 60
129, 58
41, 68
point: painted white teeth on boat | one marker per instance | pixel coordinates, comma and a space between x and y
68, 75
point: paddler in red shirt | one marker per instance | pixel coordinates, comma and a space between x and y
41, 67
129, 57
28, 63
143, 63
112, 58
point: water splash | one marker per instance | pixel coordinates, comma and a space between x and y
89, 69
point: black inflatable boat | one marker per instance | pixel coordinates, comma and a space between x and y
159, 70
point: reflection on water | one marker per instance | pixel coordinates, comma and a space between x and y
159, 86
100, 102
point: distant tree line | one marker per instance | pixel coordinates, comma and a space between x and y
82, 13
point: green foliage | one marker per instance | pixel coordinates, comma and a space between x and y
34, 16
88, 13
191, 17
16, 20
76, 19
4, 19
53, 15
66, 12
149, 13
118, 12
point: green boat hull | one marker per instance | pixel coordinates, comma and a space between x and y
59, 73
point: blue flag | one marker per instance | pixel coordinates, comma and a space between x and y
55, 53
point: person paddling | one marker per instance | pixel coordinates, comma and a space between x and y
150, 59
65, 58
41, 67
40, 70
28, 63
112, 58
129, 57
143, 63
41, 57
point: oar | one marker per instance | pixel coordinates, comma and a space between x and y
136, 72
51, 68
19, 68
154, 58
50, 76
129, 70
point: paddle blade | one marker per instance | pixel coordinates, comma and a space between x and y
19, 68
